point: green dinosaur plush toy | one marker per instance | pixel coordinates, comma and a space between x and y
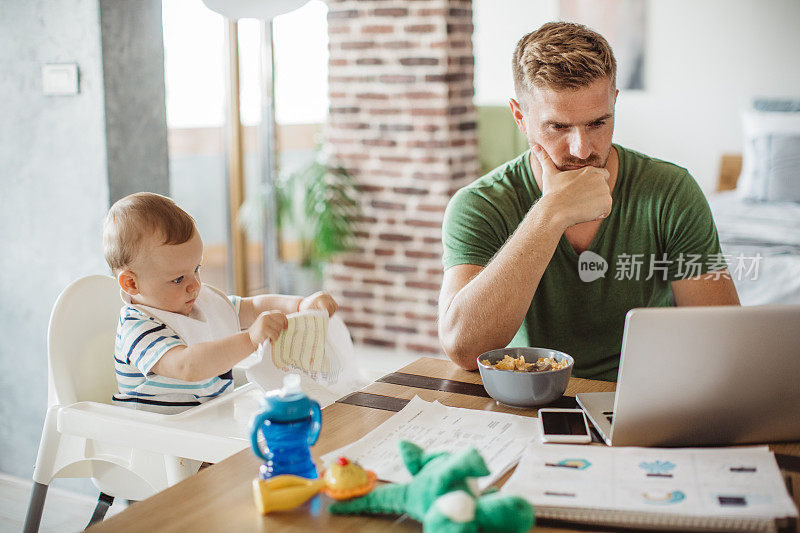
444, 495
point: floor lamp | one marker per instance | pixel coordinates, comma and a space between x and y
266, 11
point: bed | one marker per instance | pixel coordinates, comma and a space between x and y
749, 230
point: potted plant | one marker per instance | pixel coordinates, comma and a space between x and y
316, 212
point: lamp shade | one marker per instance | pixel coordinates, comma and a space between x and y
253, 9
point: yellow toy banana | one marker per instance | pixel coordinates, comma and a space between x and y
284, 492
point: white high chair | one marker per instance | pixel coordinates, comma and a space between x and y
127, 453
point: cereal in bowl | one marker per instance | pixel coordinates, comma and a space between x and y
518, 364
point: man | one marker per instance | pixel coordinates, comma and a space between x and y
554, 247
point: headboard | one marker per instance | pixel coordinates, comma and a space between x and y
730, 167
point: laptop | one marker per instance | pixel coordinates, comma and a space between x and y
693, 376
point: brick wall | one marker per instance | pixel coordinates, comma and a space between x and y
402, 120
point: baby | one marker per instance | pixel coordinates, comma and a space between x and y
177, 339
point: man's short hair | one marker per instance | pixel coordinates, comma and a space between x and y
561, 55
133, 219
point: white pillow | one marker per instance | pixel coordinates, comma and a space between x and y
771, 159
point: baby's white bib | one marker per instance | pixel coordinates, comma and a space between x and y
212, 317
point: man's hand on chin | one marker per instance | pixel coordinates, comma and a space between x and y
583, 193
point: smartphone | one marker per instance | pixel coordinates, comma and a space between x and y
567, 426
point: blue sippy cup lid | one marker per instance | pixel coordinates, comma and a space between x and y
289, 403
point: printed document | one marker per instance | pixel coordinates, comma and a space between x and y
707, 482
499, 437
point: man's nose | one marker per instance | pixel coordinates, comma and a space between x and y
579, 145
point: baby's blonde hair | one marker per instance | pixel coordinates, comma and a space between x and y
561, 55
131, 220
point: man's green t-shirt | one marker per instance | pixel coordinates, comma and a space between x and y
660, 229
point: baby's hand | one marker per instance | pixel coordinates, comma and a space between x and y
268, 325
319, 300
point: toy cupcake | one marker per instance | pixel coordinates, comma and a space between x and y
345, 479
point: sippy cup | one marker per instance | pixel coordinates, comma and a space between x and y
289, 422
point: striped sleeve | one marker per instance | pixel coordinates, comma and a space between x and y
143, 340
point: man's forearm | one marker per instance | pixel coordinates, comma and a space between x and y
487, 312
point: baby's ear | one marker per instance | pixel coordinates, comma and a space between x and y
127, 282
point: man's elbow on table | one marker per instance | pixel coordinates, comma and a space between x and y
457, 352
467, 361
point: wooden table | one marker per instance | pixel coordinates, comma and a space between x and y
219, 498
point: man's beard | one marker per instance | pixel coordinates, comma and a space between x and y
594, 160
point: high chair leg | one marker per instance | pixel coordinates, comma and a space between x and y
35, 506
103, 503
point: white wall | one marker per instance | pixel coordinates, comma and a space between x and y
494, 38
61, 158
704, 63
53, 196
